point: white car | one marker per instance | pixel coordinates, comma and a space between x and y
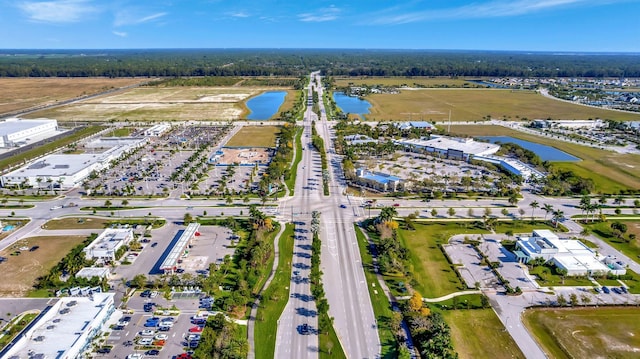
153, 294
161, 337
135, 356
145, 341
166, 323
147, 333
193, 337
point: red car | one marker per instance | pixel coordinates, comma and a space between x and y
196, 329
396, 204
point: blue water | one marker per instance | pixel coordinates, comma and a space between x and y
546, 153
352, 105
266, 105
489, 84
8, 228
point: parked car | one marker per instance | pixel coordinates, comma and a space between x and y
606, 290
154, 244
152, 352
104, 350
145, 341
161, 336
196, 329
151, 323
147, 333
623, 289
145, 293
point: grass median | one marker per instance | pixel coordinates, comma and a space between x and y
291, 182
274, 298
381, 306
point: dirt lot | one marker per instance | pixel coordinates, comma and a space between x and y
21, 271
244, 156
159, 104
30, 92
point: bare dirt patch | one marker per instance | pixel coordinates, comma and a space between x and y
244, 156
23, 93
21, 271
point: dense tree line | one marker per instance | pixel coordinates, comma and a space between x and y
297, 62
222, 339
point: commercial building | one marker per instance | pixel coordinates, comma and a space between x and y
15, 131
157, 130
568, 254
180, 248
107, 244
379, 181
67, 170
91, 272
513, 165
65, 329
449, 147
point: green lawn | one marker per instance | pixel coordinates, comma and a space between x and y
274, 298
467, 301
604, 232
379, 301
479, 334
119, 132
255, 136
432, 273
548, 278
605, 332
291, 182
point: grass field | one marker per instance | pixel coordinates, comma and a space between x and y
480, 334
432, 272
379, 301
76, 223
475, 104
604, 231
119, 132
586, 332
22, 270
29, 92
255, 136
402, 81
274, 299
610, 171
159, 104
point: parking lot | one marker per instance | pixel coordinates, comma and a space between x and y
125, 339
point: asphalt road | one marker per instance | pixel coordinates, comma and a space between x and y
344, 281
298, 325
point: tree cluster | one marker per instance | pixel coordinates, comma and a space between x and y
221, 339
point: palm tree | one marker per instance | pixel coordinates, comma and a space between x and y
533, 206
557, 216
547, 208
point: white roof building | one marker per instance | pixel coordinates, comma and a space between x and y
66, 170
15, 130
65, 329
513, 165
569, 254
90, 272
451, 147
157, 130
107, 244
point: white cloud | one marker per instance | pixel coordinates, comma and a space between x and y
125, 17
321, 15
240, 14
120, 33
59, 11
492, 9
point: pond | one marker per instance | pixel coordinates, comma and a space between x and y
264, 106
351, 104
546, 153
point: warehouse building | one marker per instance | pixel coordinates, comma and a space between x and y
107, 244
157, 130
15, 132
449, 147
65, 329
65, 171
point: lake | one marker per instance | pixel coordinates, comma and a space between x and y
546, 153
351, 104
264, 106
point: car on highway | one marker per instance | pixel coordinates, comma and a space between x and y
343, 206
396, 204
606, 290
55, 207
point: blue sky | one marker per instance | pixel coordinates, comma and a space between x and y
529, 25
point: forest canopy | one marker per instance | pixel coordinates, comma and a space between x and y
296, 62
